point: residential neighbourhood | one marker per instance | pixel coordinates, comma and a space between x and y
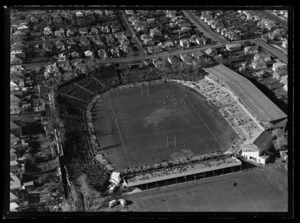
85, 135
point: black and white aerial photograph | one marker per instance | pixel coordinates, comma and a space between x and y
155, 112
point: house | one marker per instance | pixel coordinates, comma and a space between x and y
18, 53
70, 42
13, 140
13, 207
284, 82
285, 44
28, 185
60, 45
79, 14
173, 60
47, 31
262, 56
233, 47
48, 46
197, 54
259, 74
70, 32
15, 167
98, 12
15, 60
115, 29
80, 67
188, 59
85, 41
94, 31
83, 31
168, 44
109, 12
105, 29
62, 57
15, 183
279, 73
256, 150
155, 32
102, 54
68, 15
75, 55
23, 28
185, 43
158, 63
18, 69
15, 109
60, 32
13, 156
14, 100
200, 41
115, 178
148, 42
89, 13
109, 39
65, 66
88, 53
19, 44
13, 198
150, 20
98, 42
268, 24
211, 52
258, 64
278, 65
129, 12
251, 49
154, 49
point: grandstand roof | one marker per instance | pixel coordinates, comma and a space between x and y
248, 93
263, 141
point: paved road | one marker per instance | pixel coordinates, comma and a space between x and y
276, 52
203, 27
255, 192
270, 49
128, 27
270, 15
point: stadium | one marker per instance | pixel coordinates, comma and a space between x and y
158, 132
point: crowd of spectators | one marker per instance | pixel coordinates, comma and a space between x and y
139, 75
217, 94
174, 166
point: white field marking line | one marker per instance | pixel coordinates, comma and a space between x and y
209, 202
142, 105
83, 88
140, 119
204, 122
253, 204
103, 85
71, 96
119, 130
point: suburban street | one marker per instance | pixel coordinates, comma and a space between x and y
128, 27
202, 27
270, 15
272, 50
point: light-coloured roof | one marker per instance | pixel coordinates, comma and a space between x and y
170, 173
259, 103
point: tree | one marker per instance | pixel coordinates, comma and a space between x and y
87, 191
280, 143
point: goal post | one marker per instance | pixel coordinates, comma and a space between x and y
173, 142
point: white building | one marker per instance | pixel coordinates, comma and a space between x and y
115, 178
256, 150
232, 47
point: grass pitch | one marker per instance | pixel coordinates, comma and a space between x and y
133, 128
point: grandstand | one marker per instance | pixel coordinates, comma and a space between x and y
256, 102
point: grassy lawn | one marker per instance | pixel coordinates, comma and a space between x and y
145, 121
